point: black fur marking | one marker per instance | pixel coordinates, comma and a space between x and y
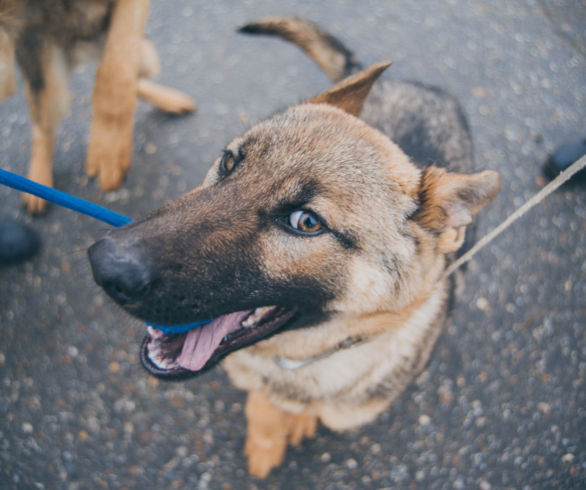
346, 240
418, 145
29, 48
301, 199
352, 64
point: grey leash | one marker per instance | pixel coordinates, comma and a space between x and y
561, 179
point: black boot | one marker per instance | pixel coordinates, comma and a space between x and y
563, 157
18, 242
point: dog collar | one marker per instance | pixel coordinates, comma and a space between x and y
292, 364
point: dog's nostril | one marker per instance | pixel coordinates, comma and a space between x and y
121, 270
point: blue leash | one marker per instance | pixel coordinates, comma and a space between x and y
63, 199
88, 208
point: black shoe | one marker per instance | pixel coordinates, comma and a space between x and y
563, 157
18, 242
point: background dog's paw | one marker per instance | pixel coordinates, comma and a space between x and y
164, 98
300, 426
263, 456
109, 153
41, 172
111, 177
34, 204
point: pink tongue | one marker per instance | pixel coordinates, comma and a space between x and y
201, 342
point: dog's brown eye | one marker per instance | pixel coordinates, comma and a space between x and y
305, 221
227, 163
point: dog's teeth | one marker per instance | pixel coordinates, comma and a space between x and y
255, 316
154, 333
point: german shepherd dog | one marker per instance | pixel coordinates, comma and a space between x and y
48, 37
317, 243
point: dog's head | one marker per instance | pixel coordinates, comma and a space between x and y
309, 214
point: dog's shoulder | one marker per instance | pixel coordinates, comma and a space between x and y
426, 122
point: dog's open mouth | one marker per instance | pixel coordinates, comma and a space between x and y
180, 356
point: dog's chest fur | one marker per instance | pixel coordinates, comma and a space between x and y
375, 370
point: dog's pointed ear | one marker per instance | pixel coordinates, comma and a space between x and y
449, 200
350, 93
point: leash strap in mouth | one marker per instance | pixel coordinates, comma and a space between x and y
88, 208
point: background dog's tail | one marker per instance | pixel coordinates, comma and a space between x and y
335, 59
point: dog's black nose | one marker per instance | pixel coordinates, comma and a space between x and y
121, 270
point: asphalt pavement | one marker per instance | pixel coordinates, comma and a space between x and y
502, 403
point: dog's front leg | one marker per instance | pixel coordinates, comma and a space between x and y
114, 98
266, 434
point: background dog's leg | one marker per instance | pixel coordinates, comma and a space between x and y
266, 434
164, 98
47, 90
7, 78
114, 98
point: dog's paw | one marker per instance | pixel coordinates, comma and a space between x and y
300, 426
263, 455
109, 153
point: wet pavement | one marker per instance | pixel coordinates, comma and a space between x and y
502, 402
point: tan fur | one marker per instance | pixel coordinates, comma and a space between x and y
269, 431
69, 34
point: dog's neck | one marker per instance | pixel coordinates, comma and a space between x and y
292, 364
378, 324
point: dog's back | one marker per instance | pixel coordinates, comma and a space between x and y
426, 122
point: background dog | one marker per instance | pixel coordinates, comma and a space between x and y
48, 38
317, 241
